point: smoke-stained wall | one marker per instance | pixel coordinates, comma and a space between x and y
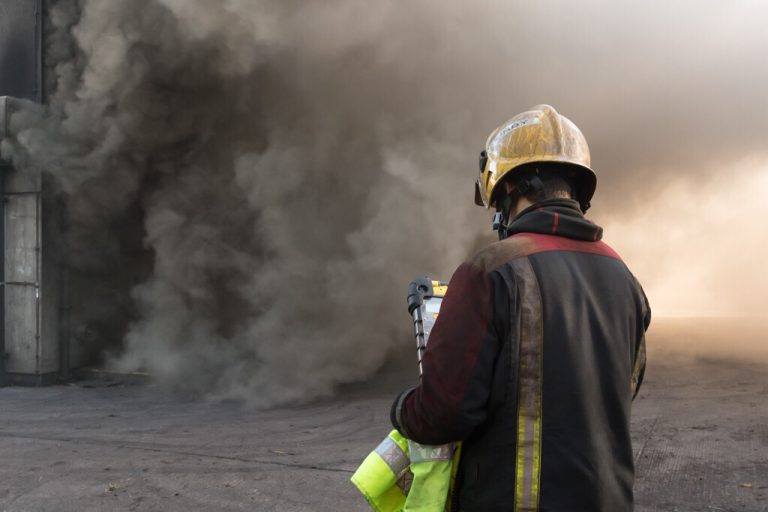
251, 184
20, 56
29, 331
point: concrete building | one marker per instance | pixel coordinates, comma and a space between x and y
33, 348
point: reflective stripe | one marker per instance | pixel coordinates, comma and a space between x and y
528, 474
394, 456
429, 453
405, 481
639, 364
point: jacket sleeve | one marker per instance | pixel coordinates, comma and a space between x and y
452, 395
638, 366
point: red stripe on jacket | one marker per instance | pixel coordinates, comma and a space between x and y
543, 243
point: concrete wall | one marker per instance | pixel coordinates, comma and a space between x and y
30, 284
30, 320
22, 270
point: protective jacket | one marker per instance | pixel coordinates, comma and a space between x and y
533, 363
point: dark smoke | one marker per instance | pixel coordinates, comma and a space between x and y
251, 184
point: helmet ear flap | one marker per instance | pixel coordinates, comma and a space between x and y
478, 197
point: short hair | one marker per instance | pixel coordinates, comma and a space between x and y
553, 175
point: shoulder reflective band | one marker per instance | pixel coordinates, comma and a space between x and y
528, 472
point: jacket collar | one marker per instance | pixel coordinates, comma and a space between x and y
560, 217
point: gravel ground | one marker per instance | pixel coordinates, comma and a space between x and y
700, 430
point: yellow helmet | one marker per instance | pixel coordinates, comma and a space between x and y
538, 135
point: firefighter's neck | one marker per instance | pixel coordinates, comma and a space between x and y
522, 202
521, 205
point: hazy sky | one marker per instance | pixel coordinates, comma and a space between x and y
671, 97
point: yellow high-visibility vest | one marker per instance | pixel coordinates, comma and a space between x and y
403, 476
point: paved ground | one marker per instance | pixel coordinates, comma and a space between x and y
700, 436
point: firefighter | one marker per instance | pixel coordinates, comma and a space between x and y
539, 348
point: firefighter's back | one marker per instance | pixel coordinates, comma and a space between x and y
557, 436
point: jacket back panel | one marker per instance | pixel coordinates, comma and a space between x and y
588, 316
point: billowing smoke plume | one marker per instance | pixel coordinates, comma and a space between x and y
281, 206
250, 184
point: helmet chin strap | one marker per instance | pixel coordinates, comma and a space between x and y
532, 188
499, 225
